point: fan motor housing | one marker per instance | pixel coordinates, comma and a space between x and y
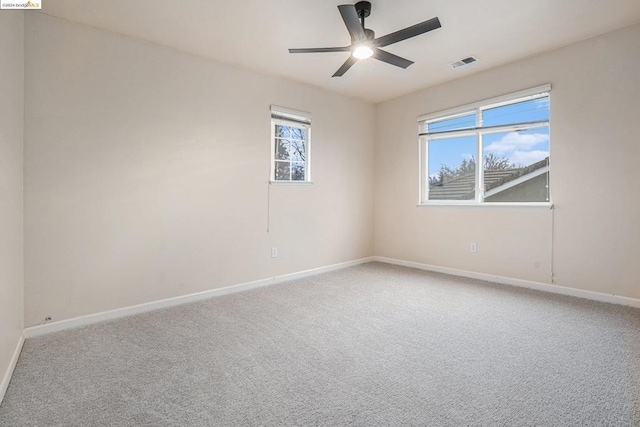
371, 35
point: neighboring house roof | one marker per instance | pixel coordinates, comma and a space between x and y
495, 181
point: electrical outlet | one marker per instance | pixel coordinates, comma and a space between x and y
474, 248
274, 252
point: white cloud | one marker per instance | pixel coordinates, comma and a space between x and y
528, 157
514, 141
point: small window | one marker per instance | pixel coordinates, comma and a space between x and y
290, 146
510, 135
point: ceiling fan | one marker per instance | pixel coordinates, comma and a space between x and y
364, 43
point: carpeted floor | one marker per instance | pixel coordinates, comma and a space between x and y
373, 345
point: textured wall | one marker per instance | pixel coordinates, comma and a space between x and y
146, 174
594, 174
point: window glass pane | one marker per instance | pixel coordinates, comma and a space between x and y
282, 149
297, 151
463, 122
452, 168
516, 166
298, 133
283, 171
290, 132
297, 169
536, 110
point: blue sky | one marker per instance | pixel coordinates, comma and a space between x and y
524, 147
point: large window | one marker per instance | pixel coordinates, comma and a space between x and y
510, 137
290, 146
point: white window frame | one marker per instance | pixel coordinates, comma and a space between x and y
478, 131
297, 119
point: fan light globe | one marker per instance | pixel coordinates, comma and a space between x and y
362, 52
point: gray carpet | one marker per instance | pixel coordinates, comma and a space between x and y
373, 345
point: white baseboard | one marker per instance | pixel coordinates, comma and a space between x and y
539, 286
4, 385
75, 322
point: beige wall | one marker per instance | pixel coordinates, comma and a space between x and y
146, 174
595, 158
11, 125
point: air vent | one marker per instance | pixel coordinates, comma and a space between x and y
463, 62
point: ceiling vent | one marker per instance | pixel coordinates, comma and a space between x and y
463, 62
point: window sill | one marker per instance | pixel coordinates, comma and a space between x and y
290, 182
445, 204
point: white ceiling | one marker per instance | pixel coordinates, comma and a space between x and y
256, 34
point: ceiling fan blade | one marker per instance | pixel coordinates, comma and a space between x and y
343, 69
351, 20
407, 33
390, 58
321, 49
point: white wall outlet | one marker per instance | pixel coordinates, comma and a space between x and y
474, 248
274, 252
